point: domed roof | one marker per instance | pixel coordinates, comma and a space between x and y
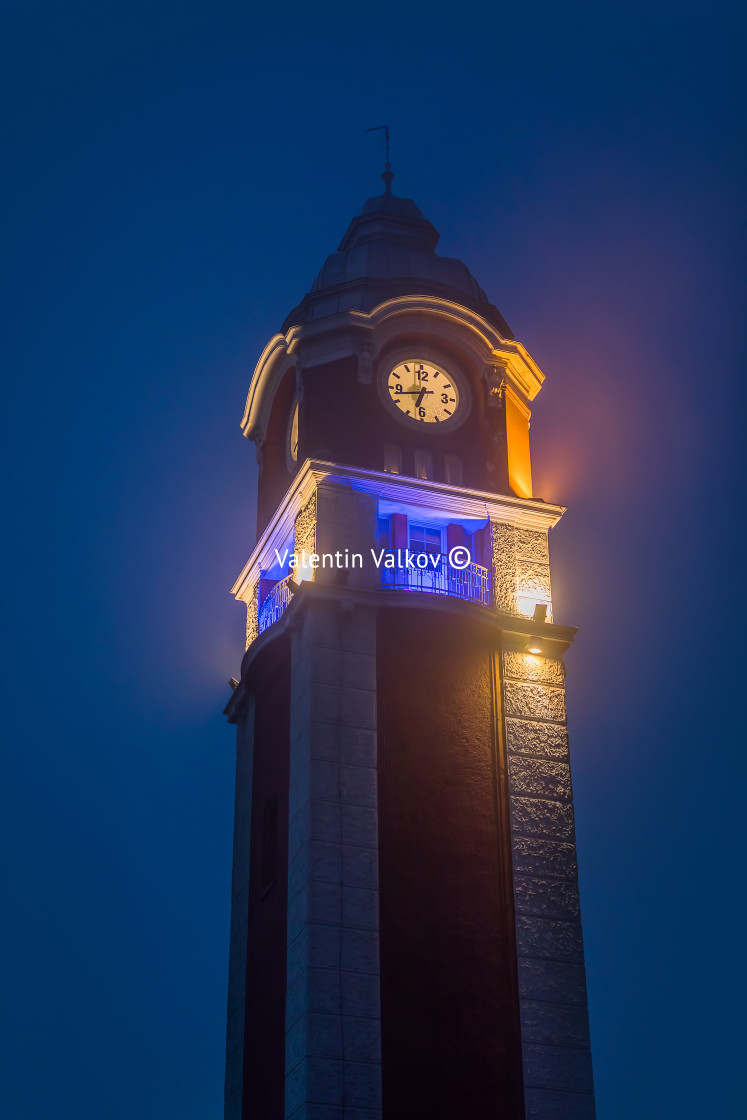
388, 251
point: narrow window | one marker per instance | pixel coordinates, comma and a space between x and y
384, 533
270, 843
423, 464
392, 458
425, 538
453, 469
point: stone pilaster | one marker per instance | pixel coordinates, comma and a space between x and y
552, 980
305, 528
252, 616
239, 917
521, 566
333, 1064
346, 521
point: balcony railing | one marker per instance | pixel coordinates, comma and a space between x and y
274, 604
472, 583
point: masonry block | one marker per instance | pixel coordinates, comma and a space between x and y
358, 746
358, 785
541, 739
558, 1067
561, 981
359, 825
536, 817
555, 1023
549, 937
360, 994
547, 898
325, 779
360, 866
535, 856
530, 545
537, 777
362, 1038
360, 908
534, 701
532, 667
360, 950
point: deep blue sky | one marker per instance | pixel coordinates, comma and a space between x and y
175, 176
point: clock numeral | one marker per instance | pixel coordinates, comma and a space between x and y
422, 375
444, 398
398, 388
421, 413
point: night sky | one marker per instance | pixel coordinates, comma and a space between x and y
175, 175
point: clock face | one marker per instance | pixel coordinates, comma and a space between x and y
422, 393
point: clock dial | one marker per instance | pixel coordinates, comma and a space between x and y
422, 392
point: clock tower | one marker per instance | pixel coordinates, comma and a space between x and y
405, 928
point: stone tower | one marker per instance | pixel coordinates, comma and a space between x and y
405, 931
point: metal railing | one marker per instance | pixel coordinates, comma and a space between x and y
274, 604
472, 583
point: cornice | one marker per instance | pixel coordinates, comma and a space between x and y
528, 513
513, 630
354, 330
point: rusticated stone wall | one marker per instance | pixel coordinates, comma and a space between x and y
552, 983
521, 566
305, 531
252, 616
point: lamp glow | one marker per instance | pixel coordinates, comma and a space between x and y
527, 604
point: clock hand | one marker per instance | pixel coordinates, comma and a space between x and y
422, 394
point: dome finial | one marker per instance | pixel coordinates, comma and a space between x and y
387, 174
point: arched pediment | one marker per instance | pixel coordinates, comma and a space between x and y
370, 333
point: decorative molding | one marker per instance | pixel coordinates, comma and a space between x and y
358, 332
424, 494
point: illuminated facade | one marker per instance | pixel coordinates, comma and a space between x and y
405, 934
